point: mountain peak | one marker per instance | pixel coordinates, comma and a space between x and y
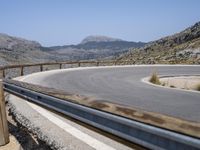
99, 38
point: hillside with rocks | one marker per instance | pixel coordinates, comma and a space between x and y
14, 50
180, 48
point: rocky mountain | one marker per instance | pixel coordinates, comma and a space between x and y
99, 39
17, 50
95, 47
183, 47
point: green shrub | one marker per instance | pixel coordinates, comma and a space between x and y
154, 79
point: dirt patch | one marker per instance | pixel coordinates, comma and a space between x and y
139, 114
181, 82
126, 111
155, 119
98, 105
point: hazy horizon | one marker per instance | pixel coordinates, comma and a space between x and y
68, 22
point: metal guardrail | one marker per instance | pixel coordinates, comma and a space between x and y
140, 133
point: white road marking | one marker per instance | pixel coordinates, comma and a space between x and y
71, 130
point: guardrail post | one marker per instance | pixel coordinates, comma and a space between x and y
22, 71
4, 135
60, 66
3, 73
41, 68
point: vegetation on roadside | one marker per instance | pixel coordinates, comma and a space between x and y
172, 86
163, 84
154, 79
198, 87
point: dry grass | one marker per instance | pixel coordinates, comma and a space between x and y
172, 86
198, 87
154, 79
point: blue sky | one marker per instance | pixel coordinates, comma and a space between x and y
60, 22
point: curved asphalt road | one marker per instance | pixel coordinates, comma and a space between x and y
123, 85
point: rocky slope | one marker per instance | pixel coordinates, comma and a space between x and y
95, 47
183, 47
17, 50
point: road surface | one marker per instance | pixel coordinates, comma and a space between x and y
123, 85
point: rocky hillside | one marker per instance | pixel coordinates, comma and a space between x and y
17, 50
95, 47
183, 47
9, 42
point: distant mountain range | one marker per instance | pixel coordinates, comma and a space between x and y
183, 47
99, 38
95, 47
18, 50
